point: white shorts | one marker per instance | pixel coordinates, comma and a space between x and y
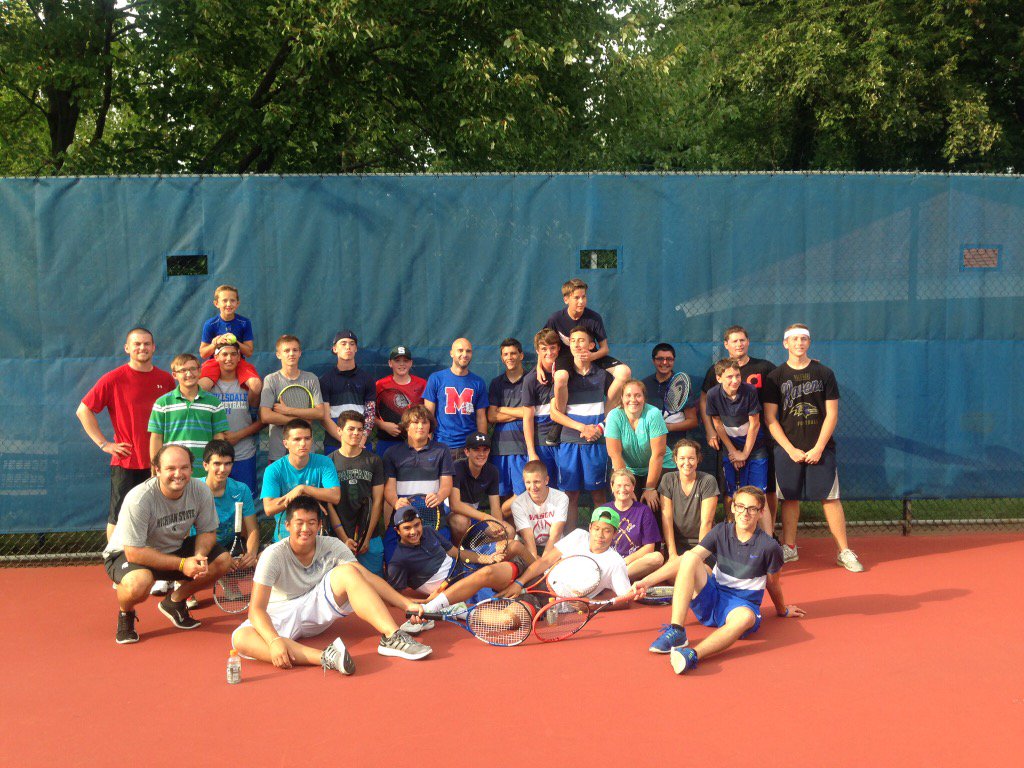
306, 615
437, 579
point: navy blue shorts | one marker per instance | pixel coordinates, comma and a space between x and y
510, 474
753, 472
582, 466
806, 482
713, 604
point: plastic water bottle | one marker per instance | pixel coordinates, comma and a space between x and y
549, 614
234, 667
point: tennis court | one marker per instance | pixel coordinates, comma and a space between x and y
914, 662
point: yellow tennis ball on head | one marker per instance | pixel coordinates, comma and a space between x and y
228, 338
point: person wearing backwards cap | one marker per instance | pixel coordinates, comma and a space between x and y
423, 559
475, 489
395, 395
346, 387
596, 543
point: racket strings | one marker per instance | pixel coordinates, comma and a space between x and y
561, 619
575, 576
500, 622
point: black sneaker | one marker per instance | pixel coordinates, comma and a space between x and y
126, 628
554, 435
177, 613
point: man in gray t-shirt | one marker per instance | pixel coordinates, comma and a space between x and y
151, 541
303, 584
289, 352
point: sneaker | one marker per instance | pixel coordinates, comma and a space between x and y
670, 637
160, 588
414, 629
336, 656
683, 660
848, 559
191, 602
126, 628
403, 646
177, 613
553, 435
789, 554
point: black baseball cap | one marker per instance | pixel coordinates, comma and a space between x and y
400, 351
344, 334
478, 440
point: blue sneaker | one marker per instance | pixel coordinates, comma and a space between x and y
670, 638
683, 660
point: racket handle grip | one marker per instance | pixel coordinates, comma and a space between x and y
428, 615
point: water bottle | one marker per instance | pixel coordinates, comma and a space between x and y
234, 667
549, 614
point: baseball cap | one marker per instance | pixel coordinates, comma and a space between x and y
345, 334
606, 515
478, 440
399, 351
401, 512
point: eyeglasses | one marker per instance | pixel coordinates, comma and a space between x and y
190, 370
740, 509
664, 359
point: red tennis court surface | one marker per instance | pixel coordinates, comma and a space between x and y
917, 661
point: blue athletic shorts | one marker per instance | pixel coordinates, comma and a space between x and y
753, 472
373, 559
582, 466
510, 474
244, 471
713, 604
549, 455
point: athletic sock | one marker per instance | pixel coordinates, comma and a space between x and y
439, 603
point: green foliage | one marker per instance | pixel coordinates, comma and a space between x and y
319, 86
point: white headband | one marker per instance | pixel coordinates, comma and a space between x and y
796, 332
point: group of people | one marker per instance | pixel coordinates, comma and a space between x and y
518, 450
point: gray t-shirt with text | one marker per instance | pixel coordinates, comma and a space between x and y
150, 519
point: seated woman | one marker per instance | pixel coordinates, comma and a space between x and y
688, 501
638, 536
636, 435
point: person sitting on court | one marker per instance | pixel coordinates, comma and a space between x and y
735, 412
417, 467
424, 559
638, 537
151, 541
299, 473
596, 543
306, 582
747, 561
539, 514
689, 499
227, 327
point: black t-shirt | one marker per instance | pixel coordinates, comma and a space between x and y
754, 373
801, 395
346, 391
475, 490
561, 322
357, 476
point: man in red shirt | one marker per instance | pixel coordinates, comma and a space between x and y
128, 394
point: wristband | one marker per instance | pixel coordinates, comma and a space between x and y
336, 527
274, 640
181, 565
521, 585
650, 489
103, 444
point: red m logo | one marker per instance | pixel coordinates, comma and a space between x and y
458, 401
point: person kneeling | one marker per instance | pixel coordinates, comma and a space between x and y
302, 585
748, 561
423, 561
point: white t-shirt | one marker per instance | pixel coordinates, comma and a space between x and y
279, 568
614, 575
540, 518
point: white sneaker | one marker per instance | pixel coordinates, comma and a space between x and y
414, 629
402, 646
160, 588
789, 554
848, 560
336, 656
191, 602
456, 611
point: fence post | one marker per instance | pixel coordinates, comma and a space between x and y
908, 519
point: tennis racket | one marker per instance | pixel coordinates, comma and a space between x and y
485, 543
659, 595
498, 621
296, 396
561, 619
431, 516
233, 590
572, 576
676, 394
